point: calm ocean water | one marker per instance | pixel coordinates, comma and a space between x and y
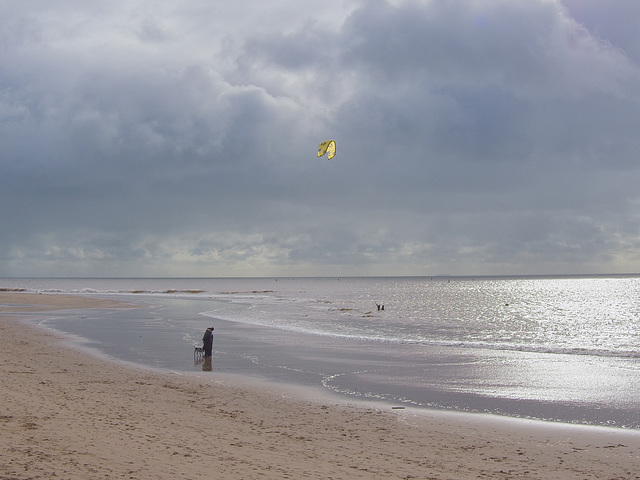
558, 348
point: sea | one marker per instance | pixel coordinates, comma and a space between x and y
559, 349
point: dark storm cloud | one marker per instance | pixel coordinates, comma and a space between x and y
473, 137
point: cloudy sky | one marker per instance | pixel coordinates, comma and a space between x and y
164, 138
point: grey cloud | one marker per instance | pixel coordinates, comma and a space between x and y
473, 137
610, 22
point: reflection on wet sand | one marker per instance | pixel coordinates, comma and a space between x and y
206, 365
205, 362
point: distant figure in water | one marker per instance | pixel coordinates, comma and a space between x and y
207, 342
380, 307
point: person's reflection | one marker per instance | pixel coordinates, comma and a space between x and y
206, 365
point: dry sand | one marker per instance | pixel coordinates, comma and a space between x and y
68, 415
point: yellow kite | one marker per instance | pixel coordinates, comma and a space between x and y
328, 147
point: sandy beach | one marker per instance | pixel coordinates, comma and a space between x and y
67, 414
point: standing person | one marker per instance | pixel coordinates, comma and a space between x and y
207, 341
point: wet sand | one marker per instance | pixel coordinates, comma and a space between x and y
67, 414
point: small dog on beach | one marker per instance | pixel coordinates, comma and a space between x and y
198, 352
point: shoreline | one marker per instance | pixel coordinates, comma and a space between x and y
66, 413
